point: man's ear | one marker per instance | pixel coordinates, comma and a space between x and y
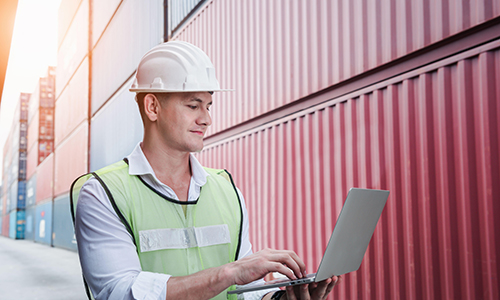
151, 107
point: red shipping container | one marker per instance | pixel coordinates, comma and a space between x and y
71, 159
429, 136
46, 124
276, 52
45, 148
5, 225
45, 180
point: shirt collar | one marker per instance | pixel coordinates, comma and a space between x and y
139, 165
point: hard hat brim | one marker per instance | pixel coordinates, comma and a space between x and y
139, 90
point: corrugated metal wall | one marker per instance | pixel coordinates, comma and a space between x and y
430, 136
259, 47
135, 27
178, 10
121, 135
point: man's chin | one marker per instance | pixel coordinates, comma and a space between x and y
197, 149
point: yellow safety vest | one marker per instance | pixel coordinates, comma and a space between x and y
167, 240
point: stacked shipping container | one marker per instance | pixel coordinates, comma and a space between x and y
14, 176
329, 95
383, 94
70, 157
40, 144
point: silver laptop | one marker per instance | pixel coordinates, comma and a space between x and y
348, 242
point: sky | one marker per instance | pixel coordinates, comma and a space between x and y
33, 50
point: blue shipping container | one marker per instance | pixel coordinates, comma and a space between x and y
21, 194
31, 191
64, 235
29, 229
22, 166
12, 225
20, 224
16, 226
43, 223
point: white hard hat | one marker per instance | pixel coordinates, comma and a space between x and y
175, 66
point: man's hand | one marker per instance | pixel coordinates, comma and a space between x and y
315, 291
258, 265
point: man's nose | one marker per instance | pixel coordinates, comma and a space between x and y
205, 118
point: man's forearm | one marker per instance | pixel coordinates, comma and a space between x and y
208, 283
202, 285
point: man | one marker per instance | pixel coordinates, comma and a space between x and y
158, 225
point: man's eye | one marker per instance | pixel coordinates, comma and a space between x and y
192, 106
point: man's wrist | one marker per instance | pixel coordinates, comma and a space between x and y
224, 274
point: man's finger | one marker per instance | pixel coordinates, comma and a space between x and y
291, 260
304, 292
331, 285
290, 294
320, 291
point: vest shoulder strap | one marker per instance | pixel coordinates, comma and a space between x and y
77, 185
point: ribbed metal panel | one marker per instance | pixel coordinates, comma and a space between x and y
71, 159
17, 221
275, 52
74, 47
66, 13
34, 104
63, 234
134, 29
431, 137
5, 225
32, 161
180, 9
43, 223
33, 134
4, 203
12, 199
29, 232
102, 13
31, 191
115, 130
45, 180
72, 105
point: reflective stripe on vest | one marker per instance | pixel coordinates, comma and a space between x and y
183, 238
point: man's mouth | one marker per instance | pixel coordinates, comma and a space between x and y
198, 132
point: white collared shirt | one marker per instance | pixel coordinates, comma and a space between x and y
107, 253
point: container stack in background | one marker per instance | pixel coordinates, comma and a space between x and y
26, 210
13, 200
40, 165
72, 126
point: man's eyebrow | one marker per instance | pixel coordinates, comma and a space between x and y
197, 100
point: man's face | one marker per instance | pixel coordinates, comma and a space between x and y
183, 119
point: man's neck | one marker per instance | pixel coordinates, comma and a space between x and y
171, 167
